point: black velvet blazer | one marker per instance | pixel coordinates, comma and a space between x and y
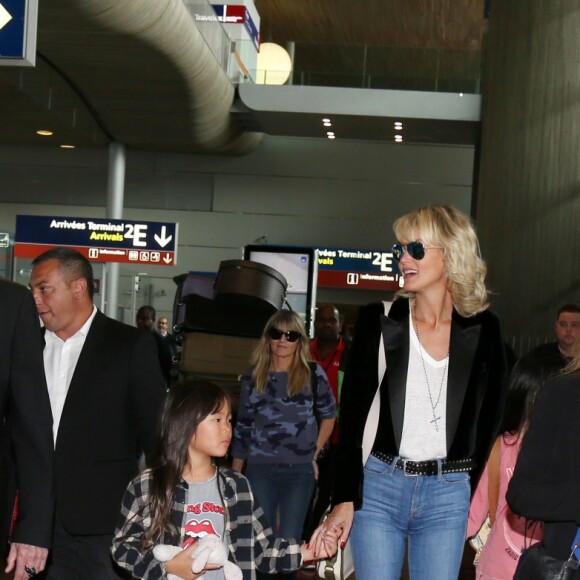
475, 391
546, 481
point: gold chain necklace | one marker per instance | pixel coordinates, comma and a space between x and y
433, 406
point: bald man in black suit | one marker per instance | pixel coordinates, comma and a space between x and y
106, 389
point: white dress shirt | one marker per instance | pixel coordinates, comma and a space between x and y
60, 361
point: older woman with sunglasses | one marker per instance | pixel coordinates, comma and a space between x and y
441, 399
277, 432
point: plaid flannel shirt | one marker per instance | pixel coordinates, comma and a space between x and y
250, 539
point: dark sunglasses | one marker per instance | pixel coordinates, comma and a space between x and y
291, 335
415, 249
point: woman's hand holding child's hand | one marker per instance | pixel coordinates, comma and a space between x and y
323, 543
339, 520
330, 536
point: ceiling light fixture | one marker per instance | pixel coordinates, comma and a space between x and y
274, 64
326, 120
68, 146
331, 137
327, 124
44, 132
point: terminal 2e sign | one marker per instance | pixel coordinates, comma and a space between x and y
357, 269
100, 240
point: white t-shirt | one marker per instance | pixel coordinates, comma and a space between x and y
204, 514
421, 440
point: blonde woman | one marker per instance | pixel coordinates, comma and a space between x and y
276, 432
440, 405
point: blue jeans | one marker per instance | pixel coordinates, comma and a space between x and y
429, 512
287, 487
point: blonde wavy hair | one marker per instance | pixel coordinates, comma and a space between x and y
299, 371
446, 227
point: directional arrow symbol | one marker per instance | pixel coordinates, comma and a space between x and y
5, 17
167, 258
163, 239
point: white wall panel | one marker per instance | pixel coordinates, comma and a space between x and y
294, 191
529, 185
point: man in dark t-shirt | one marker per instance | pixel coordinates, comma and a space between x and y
567, 332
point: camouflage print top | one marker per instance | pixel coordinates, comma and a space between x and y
275, 428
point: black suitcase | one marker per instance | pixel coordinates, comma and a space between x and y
189, 283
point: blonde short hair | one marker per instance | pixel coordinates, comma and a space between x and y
446, 227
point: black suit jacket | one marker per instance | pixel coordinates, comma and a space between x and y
26, 447
110, 414
546, 481
475, 391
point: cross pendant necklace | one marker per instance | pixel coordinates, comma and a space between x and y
435, 419
433, 406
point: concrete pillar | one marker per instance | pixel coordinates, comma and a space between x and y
115, 198
528, 202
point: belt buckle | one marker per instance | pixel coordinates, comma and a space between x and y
405, 473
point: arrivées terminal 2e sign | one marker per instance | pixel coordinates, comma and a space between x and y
358, 269
100, 240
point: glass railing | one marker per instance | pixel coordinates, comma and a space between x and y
382, 67
356, 66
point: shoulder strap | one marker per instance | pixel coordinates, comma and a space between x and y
493, 467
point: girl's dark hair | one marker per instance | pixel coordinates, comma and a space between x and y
186, 406
526, 380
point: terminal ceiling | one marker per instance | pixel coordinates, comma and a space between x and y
128, 71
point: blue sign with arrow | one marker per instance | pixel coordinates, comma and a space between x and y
18, 20
100, 240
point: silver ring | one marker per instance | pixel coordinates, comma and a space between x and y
30, 570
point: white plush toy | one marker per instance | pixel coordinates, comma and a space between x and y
208, 550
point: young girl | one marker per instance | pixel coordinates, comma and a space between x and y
509, 532
185, 496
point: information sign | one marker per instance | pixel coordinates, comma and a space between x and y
357, 269
100, 240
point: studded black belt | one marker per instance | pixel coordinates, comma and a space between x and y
429, 467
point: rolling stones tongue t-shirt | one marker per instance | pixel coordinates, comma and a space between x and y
204, 514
